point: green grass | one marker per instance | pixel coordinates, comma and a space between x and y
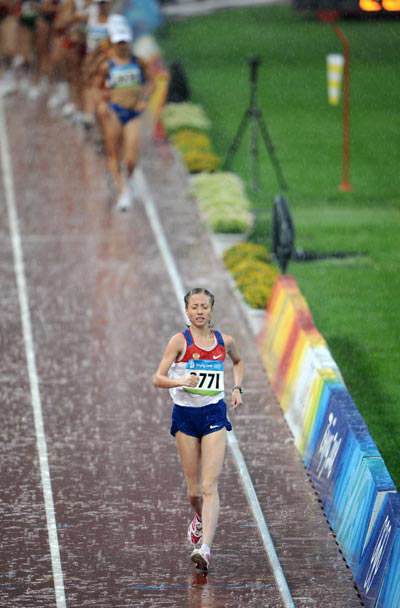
354, 300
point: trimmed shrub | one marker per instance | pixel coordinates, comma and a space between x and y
196, 150
222, 200
254, 276
177, 116
198, 160
228, 221
237, 253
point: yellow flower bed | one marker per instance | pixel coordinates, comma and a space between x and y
236, 254
196, 150
187, 138
253, 275
201, 160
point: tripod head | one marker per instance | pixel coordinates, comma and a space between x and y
253, 61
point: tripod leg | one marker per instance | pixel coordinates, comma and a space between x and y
271, 150
254, 153
237, 139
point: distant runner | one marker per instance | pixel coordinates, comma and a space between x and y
126, 84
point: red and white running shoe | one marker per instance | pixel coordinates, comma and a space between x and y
200, 558
195, 531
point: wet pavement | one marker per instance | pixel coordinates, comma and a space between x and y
102, 309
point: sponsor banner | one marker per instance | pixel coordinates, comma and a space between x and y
389, 596
280, 309
288, 331
347, 471
285, 322
301, 332
344, 464
360, 505
378, 563
319, 401
304, 393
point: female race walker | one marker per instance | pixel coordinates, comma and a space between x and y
192, 368
127, 84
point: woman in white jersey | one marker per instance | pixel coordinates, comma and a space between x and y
192, 368
97, 46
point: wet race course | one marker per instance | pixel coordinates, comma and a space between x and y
93, 505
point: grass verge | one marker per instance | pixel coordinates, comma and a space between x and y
353, 300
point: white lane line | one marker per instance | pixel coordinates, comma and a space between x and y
176, 280
19, 269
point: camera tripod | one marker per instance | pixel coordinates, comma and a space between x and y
253, 114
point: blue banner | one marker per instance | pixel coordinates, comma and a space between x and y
389, 596
377, 557
339, 441
347, 471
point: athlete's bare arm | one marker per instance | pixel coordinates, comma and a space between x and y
148, 86
234, 354
172, 352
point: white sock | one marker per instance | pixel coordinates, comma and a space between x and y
206, 549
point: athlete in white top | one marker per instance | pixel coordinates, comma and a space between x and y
192, 369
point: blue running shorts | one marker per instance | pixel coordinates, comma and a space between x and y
124, 114
200, 421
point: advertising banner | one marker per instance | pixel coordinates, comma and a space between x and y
379, 560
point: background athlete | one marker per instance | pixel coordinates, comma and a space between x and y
126, 84
192, 368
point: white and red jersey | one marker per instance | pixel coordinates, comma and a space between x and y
208, 364
96, 30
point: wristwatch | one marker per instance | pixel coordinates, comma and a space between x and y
239, 388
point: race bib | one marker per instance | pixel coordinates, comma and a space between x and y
95, 35
211, 376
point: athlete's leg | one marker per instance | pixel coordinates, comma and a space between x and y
112, 131
131, 144
8, 40
212, 459
58, 72
25, 40
43, 29
73, 67
190, 455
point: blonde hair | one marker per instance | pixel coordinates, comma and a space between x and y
197, 290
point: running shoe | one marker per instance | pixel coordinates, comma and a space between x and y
24, 85
17, 62
8, 84
34, 92
200, 558
37, 90
59, 97
124, 201
195, 531
68, 109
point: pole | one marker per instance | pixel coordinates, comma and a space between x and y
255, 62
345, 186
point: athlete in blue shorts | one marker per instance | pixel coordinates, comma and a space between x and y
126, 84
192, 368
